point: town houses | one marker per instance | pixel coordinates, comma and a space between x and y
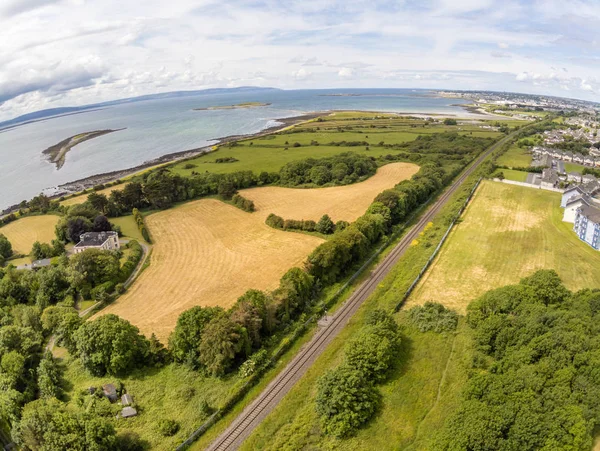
582, 208
592, 160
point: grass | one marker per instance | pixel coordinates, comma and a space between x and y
574, 167
507, 233
23, 232
173, 392
515, 157
510, 174
129, 227
269, 153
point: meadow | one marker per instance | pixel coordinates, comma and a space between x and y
208, 252
515, 157
314, 139
26, 231
507, 232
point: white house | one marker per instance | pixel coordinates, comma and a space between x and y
574, 204
587, 225
574, 177
549, 178
108, 241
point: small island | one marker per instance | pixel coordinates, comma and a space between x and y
58, 152
234, 107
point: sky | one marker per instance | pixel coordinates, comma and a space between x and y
57, 53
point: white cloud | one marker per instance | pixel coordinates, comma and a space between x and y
346, 72
301, 74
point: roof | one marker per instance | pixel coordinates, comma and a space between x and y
574, 188
41, 263
592, 213
94, 238
591, 187
128, 412
579, 198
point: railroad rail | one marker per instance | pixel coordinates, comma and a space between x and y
254, 413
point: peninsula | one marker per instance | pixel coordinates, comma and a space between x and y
58, 152
234, 107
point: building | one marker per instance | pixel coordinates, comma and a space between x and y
574, 177
108, 241
549, 178
587, 225
574, 191
573, 204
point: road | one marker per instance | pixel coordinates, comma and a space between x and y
254, 413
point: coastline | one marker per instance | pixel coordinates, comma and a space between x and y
82, 184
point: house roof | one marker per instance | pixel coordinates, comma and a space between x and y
592, 213
580, 198
94, 238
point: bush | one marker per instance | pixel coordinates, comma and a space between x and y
243, 203
449, 121
139, 220
274, 221
168, 428
132, 261
433, 316
189, 166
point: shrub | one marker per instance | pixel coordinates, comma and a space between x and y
309, 225
189, 166
243, 203
433, 316
168, 428
274, 221
139, 220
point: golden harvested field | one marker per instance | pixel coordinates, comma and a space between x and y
26, 231
507, 233
340, 202
209, 253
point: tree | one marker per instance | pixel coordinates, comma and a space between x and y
47, 425
5, 247
250, 317
226, 189
62, 322
97, 266
320, 175
110, 345
345, 401
99, 202
325, 225
41, 250
222, 340
187, 336
49, 377
75, 227
101, 224
449, 121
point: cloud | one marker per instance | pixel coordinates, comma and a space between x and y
503, 45
346, 72
15, 7
302, 74
497, 54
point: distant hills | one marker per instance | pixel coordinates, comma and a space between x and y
65, 111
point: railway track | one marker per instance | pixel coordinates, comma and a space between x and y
254, 413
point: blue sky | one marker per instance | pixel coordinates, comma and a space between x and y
72, 52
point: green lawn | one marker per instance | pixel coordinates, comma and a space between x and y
510, 174
128, 227
507, 233
573, 167
515, 157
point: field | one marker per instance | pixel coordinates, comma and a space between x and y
269, 153
340, 202
511, 174
128, 226
507, 233
209, 253
515, 157
26, 231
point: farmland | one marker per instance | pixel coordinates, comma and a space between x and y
507, 233
230, 250
24, 232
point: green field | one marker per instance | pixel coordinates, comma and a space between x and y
507, 233
129, 227
511, 174
269, 153
573, 167
515, 157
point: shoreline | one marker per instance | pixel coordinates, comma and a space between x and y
76, 186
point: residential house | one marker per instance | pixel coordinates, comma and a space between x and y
108, 241
569, 193
549, 178
587, 178
574, 177
587, 225
574, 204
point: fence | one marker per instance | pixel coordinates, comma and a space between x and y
528, 185
437, 249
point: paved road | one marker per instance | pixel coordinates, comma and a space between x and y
254, 413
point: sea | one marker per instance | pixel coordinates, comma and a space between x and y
157, 127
